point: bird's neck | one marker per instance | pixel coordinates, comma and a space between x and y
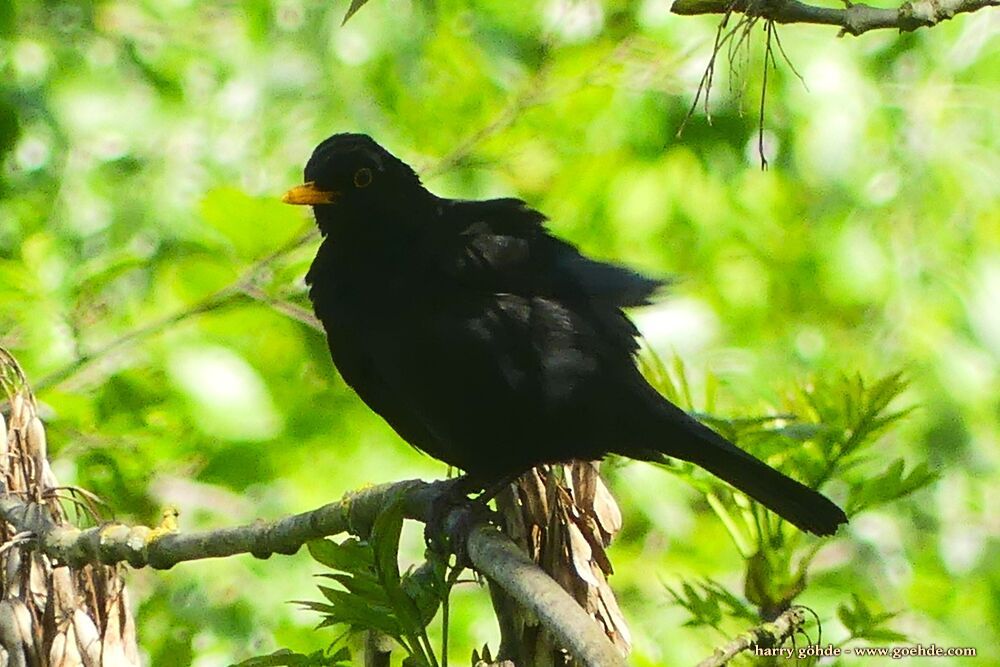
389, 237
400, 216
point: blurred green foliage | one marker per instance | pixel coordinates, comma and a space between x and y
143, 148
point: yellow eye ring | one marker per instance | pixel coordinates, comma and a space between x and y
363, 177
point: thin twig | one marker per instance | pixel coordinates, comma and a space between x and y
287, 308
768, 60
527, 97
765, 636
705, 85
212, 302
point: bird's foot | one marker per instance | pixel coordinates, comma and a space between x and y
453, 516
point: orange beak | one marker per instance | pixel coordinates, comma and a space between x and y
309, 194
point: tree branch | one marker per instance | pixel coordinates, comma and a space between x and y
766, 636
855, 19
489, 551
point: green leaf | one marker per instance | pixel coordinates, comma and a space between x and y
425, 586
364, 586
801, 431
352, 555
685, 389
891, 485
864, 623
385, 540
358, 613
353, 9
704, 608
375, 595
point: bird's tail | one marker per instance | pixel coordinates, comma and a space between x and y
797, 503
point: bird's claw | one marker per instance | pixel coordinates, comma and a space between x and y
452, 518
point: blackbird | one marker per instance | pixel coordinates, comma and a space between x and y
492, 345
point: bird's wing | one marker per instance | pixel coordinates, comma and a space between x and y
502, 245
505, 381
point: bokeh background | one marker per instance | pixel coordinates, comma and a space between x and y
144, 146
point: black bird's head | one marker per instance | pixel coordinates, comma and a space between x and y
351, 180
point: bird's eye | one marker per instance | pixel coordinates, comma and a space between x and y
363, 177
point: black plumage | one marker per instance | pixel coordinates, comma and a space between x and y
490, 344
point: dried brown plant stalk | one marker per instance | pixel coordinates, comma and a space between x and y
50, 615
564, 517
